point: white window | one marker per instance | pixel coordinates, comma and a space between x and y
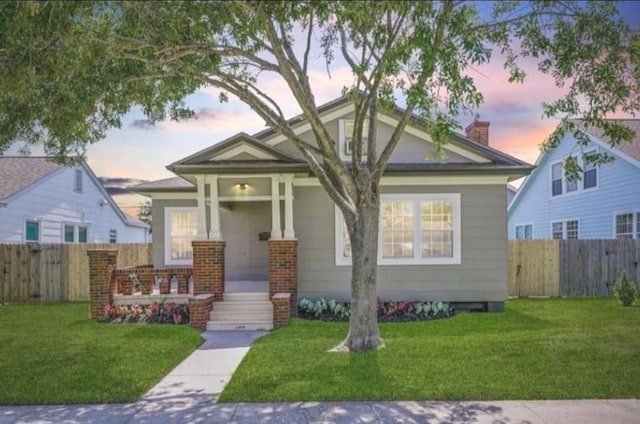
565, 229
83, 234
345, 136
524, 232
181, 228
77, 181
32, 231
414, 229
113, 236
560, 184
68, 233
625, 223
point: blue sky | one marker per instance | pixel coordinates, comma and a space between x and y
138, 150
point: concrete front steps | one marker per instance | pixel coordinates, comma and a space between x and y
242, 311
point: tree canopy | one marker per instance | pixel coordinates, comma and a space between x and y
71, 70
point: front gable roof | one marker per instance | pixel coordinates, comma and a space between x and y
259, 152
240, 147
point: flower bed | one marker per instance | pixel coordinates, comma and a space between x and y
154, 313
333, 310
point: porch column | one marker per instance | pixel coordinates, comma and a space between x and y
276, 231
288, 207
202, 212
214, 225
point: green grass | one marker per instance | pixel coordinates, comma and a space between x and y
537, 349
52, 353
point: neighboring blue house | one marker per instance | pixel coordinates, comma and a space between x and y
604, 204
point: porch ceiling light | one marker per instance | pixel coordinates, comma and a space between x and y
243, 186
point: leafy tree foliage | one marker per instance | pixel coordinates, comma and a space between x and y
70, 71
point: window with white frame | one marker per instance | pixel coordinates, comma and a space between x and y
524, 232
561, 185
68, 233
77, 181
32, 231
181, 228
565, 230
345, 136
414, 229
627, 225
83, 234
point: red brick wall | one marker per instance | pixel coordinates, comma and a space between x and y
283, 270
101, 284
199, 308
281, 309
208, 267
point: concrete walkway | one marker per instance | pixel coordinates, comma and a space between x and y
188, 393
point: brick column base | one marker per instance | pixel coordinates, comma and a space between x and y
102, 263
199, 308
281, 309
208, 267
283, 270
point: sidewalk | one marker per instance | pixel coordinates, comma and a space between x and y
187, 394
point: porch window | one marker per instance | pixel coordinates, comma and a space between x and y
415, 229
181, 228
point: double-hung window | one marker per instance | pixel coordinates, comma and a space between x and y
560, 184
565, 229
524, 232
627, 225
32, 231
345, 137
414, 229
181, 228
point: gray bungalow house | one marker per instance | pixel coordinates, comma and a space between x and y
443, 233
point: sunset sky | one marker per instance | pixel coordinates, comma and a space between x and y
139, 150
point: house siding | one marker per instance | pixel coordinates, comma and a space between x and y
53, 201
617, 191
481, 275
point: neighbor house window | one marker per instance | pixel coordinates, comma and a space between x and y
345, 136
181, 228
77, 182
113, 236
560, 184
556, 179
624, 224
68, 231
565, 230
524, 232
32, 230
414, 229
83, 234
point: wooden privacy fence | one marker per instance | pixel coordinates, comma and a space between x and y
570, 267
56, 272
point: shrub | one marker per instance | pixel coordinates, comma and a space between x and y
625, 290
155, 313
332, 310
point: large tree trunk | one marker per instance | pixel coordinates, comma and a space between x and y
363, 322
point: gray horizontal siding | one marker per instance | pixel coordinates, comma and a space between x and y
481, 276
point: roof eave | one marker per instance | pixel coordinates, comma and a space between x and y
212, 169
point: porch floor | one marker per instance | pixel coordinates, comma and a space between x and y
246, 286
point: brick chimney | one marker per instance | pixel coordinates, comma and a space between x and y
478, 131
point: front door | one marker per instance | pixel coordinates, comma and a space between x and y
246, 256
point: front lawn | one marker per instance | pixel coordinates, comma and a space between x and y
537, 349
52, 353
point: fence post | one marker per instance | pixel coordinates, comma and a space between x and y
101, 266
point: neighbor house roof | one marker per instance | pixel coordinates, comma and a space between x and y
167, 184
19, 172
631, 148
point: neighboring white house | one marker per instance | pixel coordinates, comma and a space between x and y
43, 202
